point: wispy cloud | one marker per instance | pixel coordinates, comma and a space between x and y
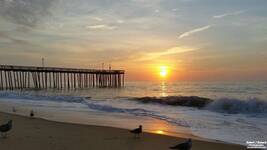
101, 26
173, 50
5, 38
229, 14
97, 18
170, 51
191, 32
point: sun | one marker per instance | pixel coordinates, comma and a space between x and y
159, 132
163, 71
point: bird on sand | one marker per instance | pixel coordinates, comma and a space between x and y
137, 131
183, 146
32, 113
5, 128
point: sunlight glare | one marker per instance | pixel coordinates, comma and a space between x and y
163, 71
160, 132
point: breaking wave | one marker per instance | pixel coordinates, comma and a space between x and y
234, 106
223, 105
189, 101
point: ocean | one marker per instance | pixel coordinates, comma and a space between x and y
233, 112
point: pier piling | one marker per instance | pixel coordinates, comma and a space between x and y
23, 77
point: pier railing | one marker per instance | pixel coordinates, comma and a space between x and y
22, 77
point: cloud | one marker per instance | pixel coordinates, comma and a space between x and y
25, 12
5, 38
173, 50
97, 18
229, 14
120, 21
170, 51
101, 26
175, 9
156, 11
189, 33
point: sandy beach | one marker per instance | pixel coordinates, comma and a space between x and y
33, 133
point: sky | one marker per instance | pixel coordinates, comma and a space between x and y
195, 39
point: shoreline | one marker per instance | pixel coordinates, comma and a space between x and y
37, 133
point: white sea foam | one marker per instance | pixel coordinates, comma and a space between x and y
232, 105
31, 96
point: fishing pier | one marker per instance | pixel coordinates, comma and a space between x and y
32, 77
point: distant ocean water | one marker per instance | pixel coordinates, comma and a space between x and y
233, 112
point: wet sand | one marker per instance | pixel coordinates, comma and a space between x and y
33, 133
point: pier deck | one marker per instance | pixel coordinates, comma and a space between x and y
22, 77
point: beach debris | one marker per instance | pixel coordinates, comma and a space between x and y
5, 128
137, 131
32, 113
183, 146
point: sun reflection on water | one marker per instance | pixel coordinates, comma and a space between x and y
159, 127
163, 88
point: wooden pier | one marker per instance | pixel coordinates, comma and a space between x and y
28, 77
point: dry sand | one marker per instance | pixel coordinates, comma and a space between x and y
39, 134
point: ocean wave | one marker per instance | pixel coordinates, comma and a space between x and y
222, 105
189, 101
31, 96
234, 106
134, 111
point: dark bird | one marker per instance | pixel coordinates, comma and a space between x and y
183, 146
137, 131
32, 113
5, 128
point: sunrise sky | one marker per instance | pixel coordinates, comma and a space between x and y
194, 39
